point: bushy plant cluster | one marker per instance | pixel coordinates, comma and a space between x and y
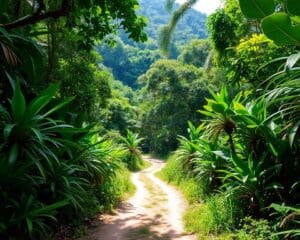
51, 170
132, 157
55, 169
247, 148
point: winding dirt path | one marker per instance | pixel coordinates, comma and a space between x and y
153, 213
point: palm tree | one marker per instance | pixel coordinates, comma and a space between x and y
167, 30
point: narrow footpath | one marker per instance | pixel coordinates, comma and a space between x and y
153, 213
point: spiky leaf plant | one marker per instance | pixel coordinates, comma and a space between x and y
133, 157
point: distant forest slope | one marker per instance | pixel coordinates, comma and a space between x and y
128, 60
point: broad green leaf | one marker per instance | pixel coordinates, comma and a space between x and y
38, 134
13, 154
245, 178
7, 130
239, 108
279, 28
273, 150
40, 167
206, 113
2, 30
292, 60
59, 106
39, 103
293, 133
218, 108
50, 208
29, 225
293, 7
283, 209
296, 19
18, 103
252, 126
257, 8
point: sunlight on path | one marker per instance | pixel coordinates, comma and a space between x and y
153, 213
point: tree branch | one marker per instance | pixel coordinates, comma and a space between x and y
38, 16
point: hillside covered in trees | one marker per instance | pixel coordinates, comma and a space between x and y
129, 59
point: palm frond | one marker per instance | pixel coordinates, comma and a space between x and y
166, 31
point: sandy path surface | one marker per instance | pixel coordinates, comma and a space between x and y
153, 213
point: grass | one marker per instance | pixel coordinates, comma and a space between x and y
173, 173
209, 217
117, 189
158, 197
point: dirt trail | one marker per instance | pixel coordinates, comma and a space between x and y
153, 213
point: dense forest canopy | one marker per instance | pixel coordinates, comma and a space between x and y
130, 59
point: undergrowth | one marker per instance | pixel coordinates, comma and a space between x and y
173, 173
117, 189
215, 216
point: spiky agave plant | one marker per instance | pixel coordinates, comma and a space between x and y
29, 141
133, 157
189, 147
46, 164
282, 93
252, 180
219, 112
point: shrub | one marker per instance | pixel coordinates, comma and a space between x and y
219, 214
47, 165
256, 230
133, 157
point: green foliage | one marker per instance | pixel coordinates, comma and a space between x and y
249, 141
256, 229
251, 53
241, 145
175, 172
167, 31
280, 26
243, 26
90, 85
120, 113
195, 53
128, 60
219, 214
133, 156
116, 189
198, 158
46, 165
172, 94
257, 9
222, 30
289, 220
93, 20
282, 92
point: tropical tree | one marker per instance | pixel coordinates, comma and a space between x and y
172, 94
195, 53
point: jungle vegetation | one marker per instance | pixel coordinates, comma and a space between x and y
221, 100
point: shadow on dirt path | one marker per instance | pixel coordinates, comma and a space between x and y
153, 213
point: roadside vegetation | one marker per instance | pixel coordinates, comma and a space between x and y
237, 168
59, 164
